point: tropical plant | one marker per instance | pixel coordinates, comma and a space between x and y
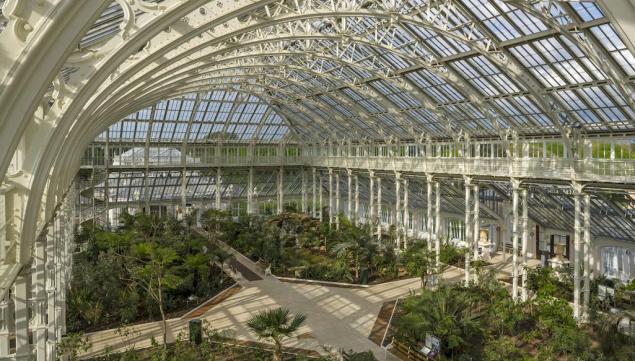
360, 356
447, 313
420, 262
451, 254
152, 268
72, 345
275, 325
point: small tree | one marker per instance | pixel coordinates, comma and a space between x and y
152, 268
72, 345
420, 262
276, 325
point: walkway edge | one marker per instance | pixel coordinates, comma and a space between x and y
220, 295
323, 283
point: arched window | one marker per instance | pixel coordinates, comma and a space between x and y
618, 262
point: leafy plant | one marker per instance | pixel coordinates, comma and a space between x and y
72, 345
420, 262
152, 268
276, 325
360, 356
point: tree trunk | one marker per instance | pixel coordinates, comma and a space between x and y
277, 356
163, 321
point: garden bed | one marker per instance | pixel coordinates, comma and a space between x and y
300, 247
219, 348
484, 322
115, 283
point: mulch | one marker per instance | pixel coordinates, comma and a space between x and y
381, 323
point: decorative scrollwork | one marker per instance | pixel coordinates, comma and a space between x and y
17, 13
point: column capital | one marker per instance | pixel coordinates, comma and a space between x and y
516, 183
397, 175
349, 172
371, 173
468, 180
578, 188
429, 177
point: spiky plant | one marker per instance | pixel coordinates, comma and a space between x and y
275, 325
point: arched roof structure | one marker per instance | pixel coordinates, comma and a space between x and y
343, 71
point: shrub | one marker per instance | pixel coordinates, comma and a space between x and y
452, 255
361, 356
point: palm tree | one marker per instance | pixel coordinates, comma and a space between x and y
448, 313
275, 324
358, 250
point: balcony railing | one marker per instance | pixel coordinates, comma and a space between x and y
591, 170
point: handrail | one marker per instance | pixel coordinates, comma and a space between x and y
392, 315
592, 170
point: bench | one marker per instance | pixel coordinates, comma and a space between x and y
409, 353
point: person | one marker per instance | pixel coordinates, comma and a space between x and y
268, 270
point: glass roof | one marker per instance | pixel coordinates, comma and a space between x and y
480, 66
201, 118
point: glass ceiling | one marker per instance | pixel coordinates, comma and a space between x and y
477, 66
209, 117
432, 72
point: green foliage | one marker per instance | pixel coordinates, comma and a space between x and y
361, 356
293, 240
420, 261
72, 345
483, 322
452, 255
448, 313
544, 282
216, 346
107, 289
503, 348
276, 325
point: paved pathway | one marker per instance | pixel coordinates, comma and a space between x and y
336, 317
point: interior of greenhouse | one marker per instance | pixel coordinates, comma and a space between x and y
317, 180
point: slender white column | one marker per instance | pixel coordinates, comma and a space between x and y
337, 200
371, 194
468, 233
39, 300
219, 188
304, 192
183, 192
6, 325
50, 288
429, 210
437, 222
250, 192
477, 222
524, 239
406, 213
314, 201
587, 257
331, 196
321, 190
398, 209
349, 205
356, 214
515, 188
379, 208
20, 301
280, 190
59, 291
577, 247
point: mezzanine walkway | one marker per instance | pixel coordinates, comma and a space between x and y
337, 317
